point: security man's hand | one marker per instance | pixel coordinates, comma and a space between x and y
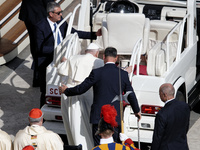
99, 33
62, 88
138, 115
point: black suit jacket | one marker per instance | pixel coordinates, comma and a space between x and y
171, 126
105, 82
33, 11
45, 40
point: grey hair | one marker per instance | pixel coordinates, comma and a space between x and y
35, 120
91, 50
168, 89
51, 6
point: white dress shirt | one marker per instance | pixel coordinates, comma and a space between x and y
51, 23
169, 101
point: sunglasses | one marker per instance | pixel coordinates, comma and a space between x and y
58, 13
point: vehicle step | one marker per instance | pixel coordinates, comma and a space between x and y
6, 42
2, 1
9, 12
9, 49
8, 7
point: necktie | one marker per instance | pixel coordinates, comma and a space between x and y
58, 39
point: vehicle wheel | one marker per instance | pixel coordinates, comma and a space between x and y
180, 96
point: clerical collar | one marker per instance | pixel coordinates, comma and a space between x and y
89, 54
34, 125
110, 63
106, 141
169, 101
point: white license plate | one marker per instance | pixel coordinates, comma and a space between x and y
52, 90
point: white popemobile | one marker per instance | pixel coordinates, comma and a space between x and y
164, 32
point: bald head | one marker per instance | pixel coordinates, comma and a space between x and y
166, 92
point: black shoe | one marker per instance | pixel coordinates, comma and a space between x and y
70, 147
42, 99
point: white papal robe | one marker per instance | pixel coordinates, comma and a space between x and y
5, 141
76, 109
39, 137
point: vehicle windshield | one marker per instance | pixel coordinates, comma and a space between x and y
164, 2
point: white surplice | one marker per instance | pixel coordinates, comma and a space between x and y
5, 141
39, 137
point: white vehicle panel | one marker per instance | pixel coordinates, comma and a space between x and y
146, 125
57, 127
147, 83
50, 113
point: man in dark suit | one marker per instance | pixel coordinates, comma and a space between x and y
171, 123
31, 12
45, 35
105, 82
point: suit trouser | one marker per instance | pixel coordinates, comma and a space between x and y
42, 76
97, 137
42, 79
30, 29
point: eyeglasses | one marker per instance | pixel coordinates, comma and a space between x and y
58, 13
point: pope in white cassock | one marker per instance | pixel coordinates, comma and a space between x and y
37, 135
5, 141
76, 109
